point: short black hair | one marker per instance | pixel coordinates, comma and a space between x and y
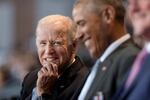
117, 4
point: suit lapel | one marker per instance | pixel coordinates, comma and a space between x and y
97, 82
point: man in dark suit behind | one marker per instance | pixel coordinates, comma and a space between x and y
62, 73
139, 87
100, 25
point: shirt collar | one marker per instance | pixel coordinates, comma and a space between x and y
147, 47
114, 46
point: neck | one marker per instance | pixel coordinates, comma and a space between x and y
117, 31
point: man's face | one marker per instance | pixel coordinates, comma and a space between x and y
139, 14
90, 29
52, 45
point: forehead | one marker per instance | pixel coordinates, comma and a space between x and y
143, 4
77, 13
56, 28
137, 0
83, 12
52, 34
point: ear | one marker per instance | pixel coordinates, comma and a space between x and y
108, 14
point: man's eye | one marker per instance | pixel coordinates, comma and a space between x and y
42, 43
57, 43
81, 23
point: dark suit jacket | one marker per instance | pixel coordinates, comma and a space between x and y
140, 88
112, 71
67, 87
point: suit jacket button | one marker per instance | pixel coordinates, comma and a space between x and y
104, 68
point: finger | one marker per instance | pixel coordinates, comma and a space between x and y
44, 70
48, 64
52, 70
48, 67
40, 73
55, 68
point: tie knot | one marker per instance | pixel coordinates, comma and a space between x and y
142, 54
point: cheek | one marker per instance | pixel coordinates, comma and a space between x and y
85, 29
62, 53
99, 44
145, 6
102, 40
95, 44
98, 38
40, 53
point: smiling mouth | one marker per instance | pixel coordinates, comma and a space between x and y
50, 59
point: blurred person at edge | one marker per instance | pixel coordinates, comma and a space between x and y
21, 63
62, 73
100, 25
9, 85
139, 88
137, 39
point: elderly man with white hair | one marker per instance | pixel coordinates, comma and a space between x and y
62, 73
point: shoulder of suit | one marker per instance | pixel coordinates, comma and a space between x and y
32, 74
128, 47
125, 51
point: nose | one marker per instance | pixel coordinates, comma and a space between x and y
133, 6
49, 49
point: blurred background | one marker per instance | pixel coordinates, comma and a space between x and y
18, 20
